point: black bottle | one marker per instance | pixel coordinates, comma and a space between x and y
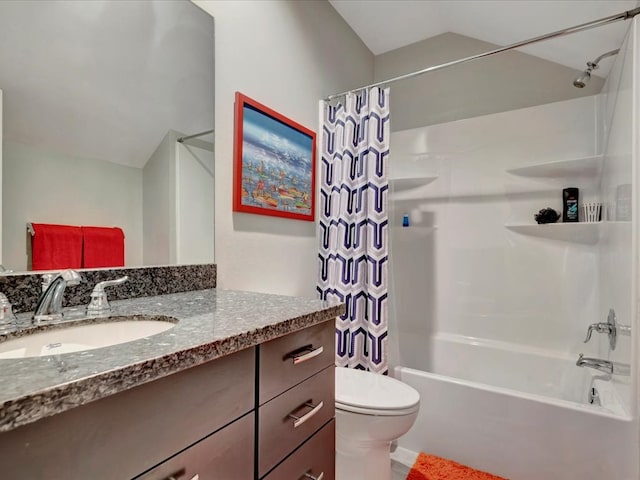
570, 204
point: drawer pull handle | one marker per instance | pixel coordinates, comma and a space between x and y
180, 473
308, 475
297, 421
304, 354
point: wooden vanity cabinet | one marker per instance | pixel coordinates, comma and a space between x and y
296, 392
208, 422
123, 435
289, 360
295, 411
315, 457
225, 455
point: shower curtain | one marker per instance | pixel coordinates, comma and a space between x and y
353, 225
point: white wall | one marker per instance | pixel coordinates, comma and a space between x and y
503, 82
457, 269
42, 186
0, 174
286, 55
194, 204
158, 211
634, 39
178, 203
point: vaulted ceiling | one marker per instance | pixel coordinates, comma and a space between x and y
385, 25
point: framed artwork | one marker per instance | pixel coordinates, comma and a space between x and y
274, 163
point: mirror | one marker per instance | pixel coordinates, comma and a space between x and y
95, 96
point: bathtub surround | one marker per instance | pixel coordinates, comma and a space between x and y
617, 247
353, 225
468, 276
471, 326
23, 290
458, 270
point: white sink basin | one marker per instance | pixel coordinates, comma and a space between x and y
81, 337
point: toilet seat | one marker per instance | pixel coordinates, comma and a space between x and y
368, 393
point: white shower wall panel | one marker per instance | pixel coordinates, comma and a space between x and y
615, 245
457, 269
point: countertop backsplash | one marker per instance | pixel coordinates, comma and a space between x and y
23, 290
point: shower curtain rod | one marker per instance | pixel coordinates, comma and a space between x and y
182, 139
626, 15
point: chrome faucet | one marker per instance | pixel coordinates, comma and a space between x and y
49, 307
605, 366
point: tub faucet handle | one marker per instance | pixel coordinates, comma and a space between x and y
598, 327
611, 327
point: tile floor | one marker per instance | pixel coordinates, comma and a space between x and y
401, 462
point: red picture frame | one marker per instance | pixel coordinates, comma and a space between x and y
274, 163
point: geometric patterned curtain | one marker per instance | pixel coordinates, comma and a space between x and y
353, 254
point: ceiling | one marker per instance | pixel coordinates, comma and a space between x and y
385, 25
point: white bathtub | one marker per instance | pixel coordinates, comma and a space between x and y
521, 414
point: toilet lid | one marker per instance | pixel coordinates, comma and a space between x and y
370, 391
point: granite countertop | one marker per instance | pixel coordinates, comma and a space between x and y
211, 323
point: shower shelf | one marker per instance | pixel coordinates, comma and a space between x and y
417, 228
408, 183
579, 168
581, 232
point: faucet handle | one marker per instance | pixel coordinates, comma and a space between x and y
99, 305
611, 327
7, 317
598, 327
100, 286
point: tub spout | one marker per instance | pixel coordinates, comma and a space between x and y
605, 366
601, 365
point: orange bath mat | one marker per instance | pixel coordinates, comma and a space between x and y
430, 467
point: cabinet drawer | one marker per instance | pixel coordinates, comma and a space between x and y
313, 349
126, 434
279, 433
225, 455
316, 457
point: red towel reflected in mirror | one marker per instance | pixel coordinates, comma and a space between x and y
103, 247
56, 246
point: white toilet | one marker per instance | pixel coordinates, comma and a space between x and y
371, 411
